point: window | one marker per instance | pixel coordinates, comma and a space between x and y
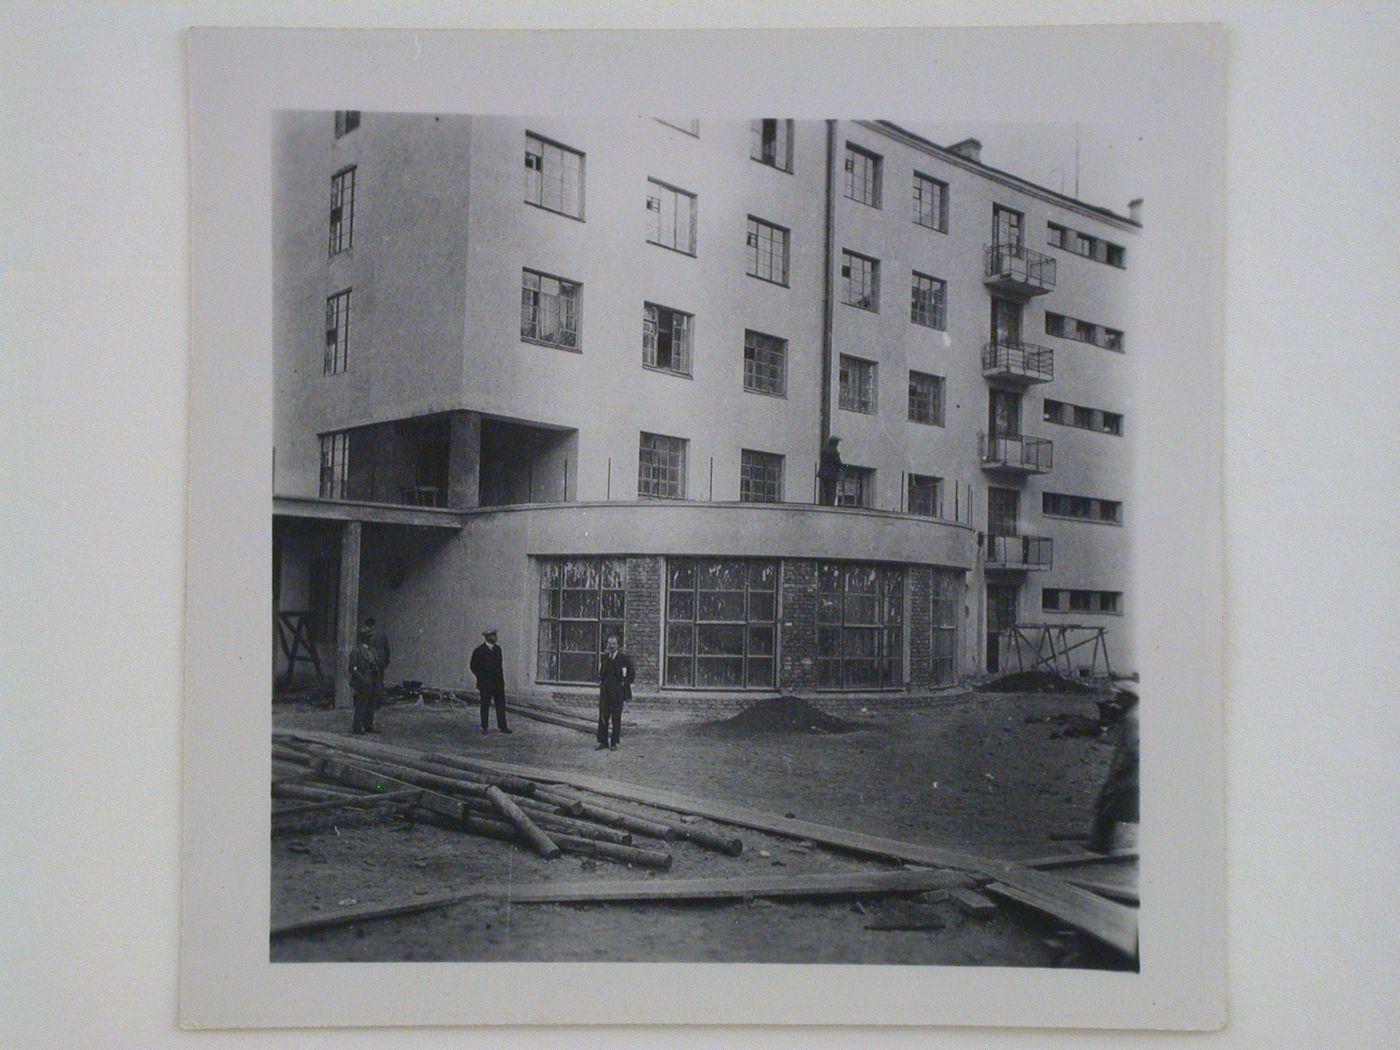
666, 339
1056, 324
1081, 601
930, 203
721, 622
925, 398
760, 477
1083, 417
342, 234
670, 217
553, 176
857, 384
337, 333
549, 309
1112, 339
929, 301
1084, 245
661, 467
1054, 411
1064, 600
1085, 332
767, 247
856, 487
1086, 508
925, 495
1050, 599
862, 176
860, 281
860, 625
943, 620
690, 125
765, 364
1112, 423
772, 143
346, 121
1008, 227
1115, 256
1059, 235
582, 601
1109, 601
335, 465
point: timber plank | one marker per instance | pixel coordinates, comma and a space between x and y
1108, 921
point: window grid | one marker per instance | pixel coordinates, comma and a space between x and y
860, 625
856, 487
767, 248
929, 302
1060, 599
943, 619
346, 121
553, 176
760, 477
857, 384
337, 333
772, 143
1085, 508
661, 467
670, 217
342, 221
860, 281
1095, 419
925, 496
335, 465
765, 364
721, 622
930, 203
582, 601
666, 339
549, 309
1083, 331
925, 399
862, 176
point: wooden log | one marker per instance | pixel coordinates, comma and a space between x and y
549, 820
1076, 860
368, 780
391, 761
541, 842
405, 756
505, 781
589, 717
350, 802
312, 792
646, 858
567, 805
612, 818
720, 843
541, 716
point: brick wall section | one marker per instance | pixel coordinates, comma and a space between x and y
797, 664
920, 655
642, 623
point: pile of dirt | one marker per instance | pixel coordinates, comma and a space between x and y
783, 714
1036, 682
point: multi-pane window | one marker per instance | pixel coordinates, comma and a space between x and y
772, 142
337, 333
862, 176
767, 248
1083, 417
549, 309
943, 619
670, 217
925, 495
1059, 599
760, 477
765, 363
860, 281
666, 339
857, 384
1056, 324
1115, 255
929, 302
1083, 331
582, 601
1058, 235
721, 622
930, 202
925, 398
342, 225
553, 176
1087, 508
860, 625
346, 121
856, 487
1112, 339
335, 465
661, 467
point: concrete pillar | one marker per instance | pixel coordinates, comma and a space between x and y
347, 611
464, 462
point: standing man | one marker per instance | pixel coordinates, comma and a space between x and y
829, 470
379, 642
364, 666
615, 677
490, 680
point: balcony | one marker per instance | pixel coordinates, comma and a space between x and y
1012, 361
1013, 269
1019, 553
1015, 454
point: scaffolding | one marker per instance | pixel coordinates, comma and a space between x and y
1052, 643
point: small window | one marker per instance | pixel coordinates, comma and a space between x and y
346, 121
335, 465
860, 281
661, 467
670, 217
1112, 339
342, 225
553, 176
1084, 245
765, 364
1081, 601
862, 176
1109, 601
930, 203
1054, 411
767, 248
760, 477
857, 384
1058, 235
1056, 324
666, 339
1083, 417
1085, 332
925, 495
549, 309
1112, 423
772, 143
337, 333
1115, 256
856, 487
1050, 599
1111, 510
925, 399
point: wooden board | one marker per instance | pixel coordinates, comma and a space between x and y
1080, 859
1108, 921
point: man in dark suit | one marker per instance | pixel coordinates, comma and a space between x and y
379, 642
364, 668
490, 680
615, 677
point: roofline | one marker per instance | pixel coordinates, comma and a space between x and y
893, 130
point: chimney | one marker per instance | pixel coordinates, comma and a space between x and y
1135, 210
969, 148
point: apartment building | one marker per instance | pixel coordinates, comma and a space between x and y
565, 378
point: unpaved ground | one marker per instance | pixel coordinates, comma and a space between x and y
972, 775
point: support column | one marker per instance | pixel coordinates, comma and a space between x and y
347, 611
464, 461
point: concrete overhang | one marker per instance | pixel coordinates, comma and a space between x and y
373, 513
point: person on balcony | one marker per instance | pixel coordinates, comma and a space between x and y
487, 665
615, 677
829, 471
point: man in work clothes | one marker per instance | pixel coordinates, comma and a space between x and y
379, 642
364, 669
490, 681
615, 677
829, 470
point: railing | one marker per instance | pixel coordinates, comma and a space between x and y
1016, 452
1014, 358
1020, 552
1018, 265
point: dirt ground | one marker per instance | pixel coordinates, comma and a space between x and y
979, 774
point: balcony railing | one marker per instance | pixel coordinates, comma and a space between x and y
1020, 553
1018, 362
1016, 453
1017, 270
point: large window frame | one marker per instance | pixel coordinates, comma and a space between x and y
863, 172
928, 304
771, 142
341, 237
661, 466
671, 217
582, 601
551, 310
856, 487
766, 250
760, 476
721, 623
337, 354
667, 336
930, 202
926, 398
860, 625
858, 385
554, 176
860, 281
335, 465
765, 364
944, 592
924, 497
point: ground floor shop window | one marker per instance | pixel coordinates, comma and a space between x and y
943, 620
860, 625
721, 622
582, 601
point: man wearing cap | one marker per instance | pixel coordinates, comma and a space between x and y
490, 680
364, 677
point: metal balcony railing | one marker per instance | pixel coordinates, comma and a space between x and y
1015, 452
1016, 268
1014, 360
1020, 552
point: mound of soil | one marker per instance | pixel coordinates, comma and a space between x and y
1036, 682
783, 714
